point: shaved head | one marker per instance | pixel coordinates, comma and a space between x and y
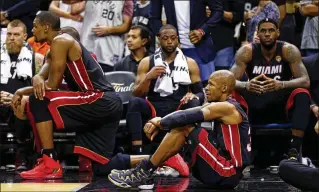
220, 85
225, 77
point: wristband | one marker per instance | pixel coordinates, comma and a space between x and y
201, 31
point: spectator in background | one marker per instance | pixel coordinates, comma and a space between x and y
193, 27
141, 17
17, 69
66, 18
223, 34
24, 10
138, 39
287, 22
105, 24
38, 47
241, 30
141, 13
265, 9
310, 38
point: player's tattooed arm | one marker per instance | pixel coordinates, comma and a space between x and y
299, 72
242, 58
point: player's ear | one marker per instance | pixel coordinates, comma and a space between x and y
225, 88
46, 28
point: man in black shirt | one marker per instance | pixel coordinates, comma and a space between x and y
138, 42
17, 69
223, 34
278, 81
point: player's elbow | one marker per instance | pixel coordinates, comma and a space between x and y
306, 83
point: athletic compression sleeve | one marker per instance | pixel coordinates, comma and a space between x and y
182, 118
197, 89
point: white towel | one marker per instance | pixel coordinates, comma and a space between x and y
23, 65
5, 65
164, 84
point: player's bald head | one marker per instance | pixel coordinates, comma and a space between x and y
224, 77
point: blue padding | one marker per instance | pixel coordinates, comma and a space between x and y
273, 126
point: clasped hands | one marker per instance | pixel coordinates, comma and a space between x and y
152, 127
263, 84
19, 100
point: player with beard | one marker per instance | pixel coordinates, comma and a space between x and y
278, 81
16, 58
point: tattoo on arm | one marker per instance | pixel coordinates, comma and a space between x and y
299, 72
242, 58
291, 55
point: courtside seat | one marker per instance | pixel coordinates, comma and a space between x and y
123, 83
7, 137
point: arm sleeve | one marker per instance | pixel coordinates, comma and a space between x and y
23, 8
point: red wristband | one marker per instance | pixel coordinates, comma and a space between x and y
201, 31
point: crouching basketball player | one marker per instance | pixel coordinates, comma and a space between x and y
91, 107
218, 156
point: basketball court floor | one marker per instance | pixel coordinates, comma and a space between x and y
255, 180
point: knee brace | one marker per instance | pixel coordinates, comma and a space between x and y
39, 109
135, 104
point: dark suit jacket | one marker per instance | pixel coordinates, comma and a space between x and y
312, 65
24, 10
198, 20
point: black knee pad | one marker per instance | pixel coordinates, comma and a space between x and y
39, 109
119, 161
135, 103
302, 97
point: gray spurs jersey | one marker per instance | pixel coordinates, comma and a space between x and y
108, 49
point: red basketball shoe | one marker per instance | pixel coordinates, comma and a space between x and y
47, 168
177, 162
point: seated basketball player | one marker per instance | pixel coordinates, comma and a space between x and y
91, 107
278, 82
219, 156
179, 88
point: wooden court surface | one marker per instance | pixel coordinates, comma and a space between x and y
68, 187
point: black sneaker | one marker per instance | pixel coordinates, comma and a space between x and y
293, 155
138, 177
